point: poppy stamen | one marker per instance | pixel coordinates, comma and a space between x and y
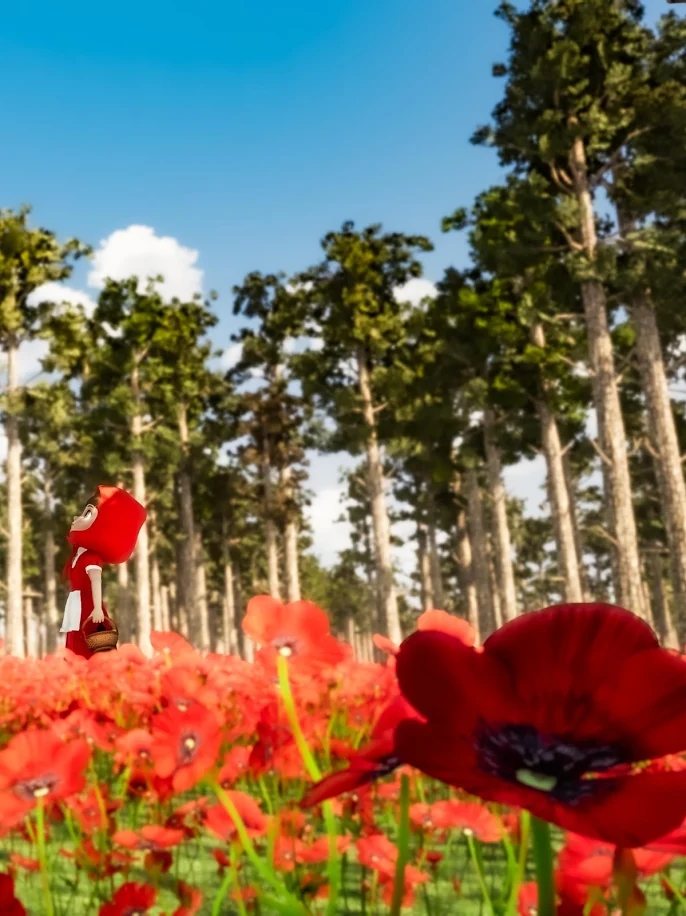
546, 763
32, 789
189, 746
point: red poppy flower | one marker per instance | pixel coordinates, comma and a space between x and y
190, 899
376, 759
220, 823
380, 854
173, 645
185, 744
527, 899
299, 629
184, 686
130, 898
38, 766
17, 860
235, 765
433, 619
9, 904
150, 836
94, 809
584, 863
552, 715
458, 815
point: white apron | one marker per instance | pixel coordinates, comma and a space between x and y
72, 609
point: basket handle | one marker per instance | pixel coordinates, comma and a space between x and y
106, 619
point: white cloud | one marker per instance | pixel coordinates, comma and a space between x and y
59, 293
414, 291
138, 251
31, 353
231, 356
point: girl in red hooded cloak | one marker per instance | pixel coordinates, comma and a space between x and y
105, 532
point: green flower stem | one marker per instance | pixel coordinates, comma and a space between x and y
678, 896
287, 903
222, 893
520, 869
477, 861
543, 860
333, 867
292, 715
403, 847
48, 907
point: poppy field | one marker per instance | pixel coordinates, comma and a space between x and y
539, 773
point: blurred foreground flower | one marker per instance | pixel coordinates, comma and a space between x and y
553, 716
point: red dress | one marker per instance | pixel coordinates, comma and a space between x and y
80, 601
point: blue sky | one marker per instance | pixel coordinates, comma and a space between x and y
247, 130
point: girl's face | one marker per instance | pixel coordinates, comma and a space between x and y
84, 521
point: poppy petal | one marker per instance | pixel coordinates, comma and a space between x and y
262, 618
435, 619
560, 656
354, 777
307, 617
642, 808
442, 678
645, 702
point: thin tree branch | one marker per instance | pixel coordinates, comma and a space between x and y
601, 454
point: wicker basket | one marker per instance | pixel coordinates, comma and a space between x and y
102, 640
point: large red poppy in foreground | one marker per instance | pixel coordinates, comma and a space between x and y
556, 714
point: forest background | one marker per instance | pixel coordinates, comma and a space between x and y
540, 325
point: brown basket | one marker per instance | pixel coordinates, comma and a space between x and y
102, 640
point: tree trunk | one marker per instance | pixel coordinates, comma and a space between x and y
661, 614
558, 493
290, 536
164, 608
479, 545
497, 608
229, 609
141, 558
270, 530
666, 455
377, 497
186, 572
30, 628
123, 608
426, 594
570, 483
432, 546
202, 612
502, 544
156, 588
49, 574
611, 434
465, 571
14, 613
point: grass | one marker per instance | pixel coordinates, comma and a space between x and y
452, 890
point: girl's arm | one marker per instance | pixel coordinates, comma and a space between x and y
95, 575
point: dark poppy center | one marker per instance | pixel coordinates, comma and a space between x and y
285, 646
548, 763
188, 747
33, 789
